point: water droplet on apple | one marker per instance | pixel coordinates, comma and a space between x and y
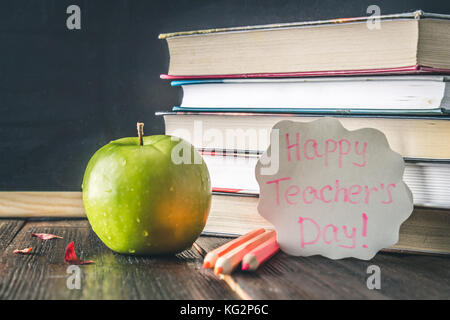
124, 162
138, 220
131, 250
145, 233
171, 188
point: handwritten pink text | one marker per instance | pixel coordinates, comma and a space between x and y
343, 236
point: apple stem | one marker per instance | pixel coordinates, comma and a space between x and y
140, 130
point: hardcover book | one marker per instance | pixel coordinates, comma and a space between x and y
415, 42
429, 181
414, 137
376, 94
425, 231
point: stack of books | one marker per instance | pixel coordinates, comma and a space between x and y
238, 82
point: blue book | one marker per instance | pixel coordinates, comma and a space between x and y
426, 94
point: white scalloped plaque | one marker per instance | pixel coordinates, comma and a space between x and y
330, 191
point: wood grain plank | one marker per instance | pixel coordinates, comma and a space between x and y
41, 204
42, 274
403, 276
8, 230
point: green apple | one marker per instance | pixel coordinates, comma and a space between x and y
139, 201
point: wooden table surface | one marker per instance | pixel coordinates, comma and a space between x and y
42, 274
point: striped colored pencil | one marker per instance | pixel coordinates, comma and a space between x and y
230, 260
213, 255
257, 256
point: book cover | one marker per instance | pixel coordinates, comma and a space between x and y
411, 70
418, 14
315, 111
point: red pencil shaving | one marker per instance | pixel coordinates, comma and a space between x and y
71, 257
23, 251
45, 236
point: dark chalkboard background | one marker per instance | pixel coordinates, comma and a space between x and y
65, 93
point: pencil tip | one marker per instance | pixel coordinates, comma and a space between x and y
218, 270
206, 265
246, 266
